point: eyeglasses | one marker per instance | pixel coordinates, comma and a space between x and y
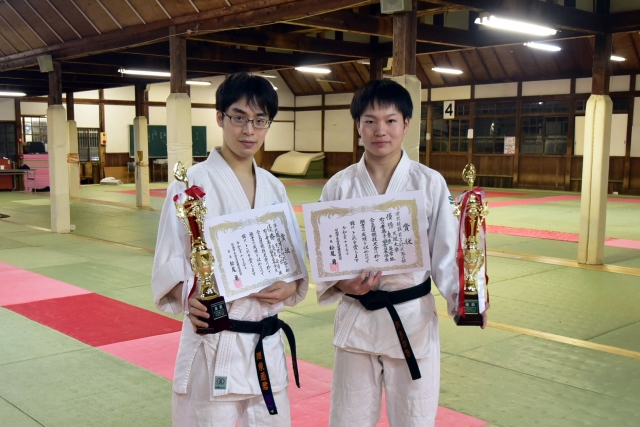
241, 121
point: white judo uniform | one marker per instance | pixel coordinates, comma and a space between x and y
215, 382
368, 351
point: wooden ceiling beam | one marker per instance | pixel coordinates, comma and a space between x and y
295, 43
625, 21
251, 13
544, 13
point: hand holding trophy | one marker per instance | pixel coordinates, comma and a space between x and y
192, 212
473, 294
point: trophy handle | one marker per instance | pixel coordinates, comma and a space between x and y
180, 173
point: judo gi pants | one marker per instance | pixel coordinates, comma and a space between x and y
194, 409
356, 392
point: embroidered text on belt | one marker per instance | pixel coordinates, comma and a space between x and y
375, 300
264, 328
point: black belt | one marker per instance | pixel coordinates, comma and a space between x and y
375, 300
264, 328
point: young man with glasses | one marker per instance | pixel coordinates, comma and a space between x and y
215, 381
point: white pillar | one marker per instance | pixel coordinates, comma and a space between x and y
58, 143
178, 131
73, 160
595, 179
411, 141
141, 146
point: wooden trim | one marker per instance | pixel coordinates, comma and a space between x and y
516, 156
55, 85
571, 135
178, 61
70, 106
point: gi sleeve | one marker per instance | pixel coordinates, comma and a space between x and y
302, 283
326, 292
443, 242
172, 249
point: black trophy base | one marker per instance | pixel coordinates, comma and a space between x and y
472, 315
218, 317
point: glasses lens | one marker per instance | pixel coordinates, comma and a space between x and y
238, 120
260, 123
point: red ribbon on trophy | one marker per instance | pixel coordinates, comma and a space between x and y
473, 295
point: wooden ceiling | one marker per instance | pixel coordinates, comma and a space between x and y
94, 38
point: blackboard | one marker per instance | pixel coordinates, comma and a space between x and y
158, 141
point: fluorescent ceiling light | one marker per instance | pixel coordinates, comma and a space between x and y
266, 76
617, 58
544, 46
145, 73
365, 62
322, 79
317, 70
12, 94
198, 83
517, 26
446, 70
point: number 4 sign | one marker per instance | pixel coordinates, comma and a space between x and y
449, 110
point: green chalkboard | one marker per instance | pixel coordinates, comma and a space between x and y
158, 141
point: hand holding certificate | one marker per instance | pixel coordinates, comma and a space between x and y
385, 233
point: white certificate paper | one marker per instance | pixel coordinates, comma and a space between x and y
385, 233
253, 249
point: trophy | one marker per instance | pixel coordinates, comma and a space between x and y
192, 212
471, 210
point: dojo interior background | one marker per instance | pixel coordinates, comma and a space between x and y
81, 343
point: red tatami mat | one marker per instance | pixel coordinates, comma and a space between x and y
491, 194
19, 286
96, 320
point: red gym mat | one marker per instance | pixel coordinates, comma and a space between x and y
157, 192
96, 320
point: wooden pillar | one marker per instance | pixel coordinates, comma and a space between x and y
375, 68
404, 72
429, 134
73, 159
19, 148
571, 136
140, 100
405, 26
58, 145
179, 139
178, 59
70, 106
627, 150
141, 148
516, 155
102, 149
55, 85
595, 169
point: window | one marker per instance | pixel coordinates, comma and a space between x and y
546, 135
489, 134
8, 140
620, 105
496, 108
450, 135
545, 107
34, 129
463, 109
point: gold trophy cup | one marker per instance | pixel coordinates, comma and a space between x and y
471, 221
192, 213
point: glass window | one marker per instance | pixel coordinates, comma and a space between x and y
492, 108
440, 137
531, 136
556, 131
8, 140
581, 105
620, 105
533, 107
546, 135
463, 109
489, 134
450, 135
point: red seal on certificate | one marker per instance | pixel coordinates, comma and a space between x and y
334, 267
238, 283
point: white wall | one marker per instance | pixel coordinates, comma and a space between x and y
7, 109
338, 99
308, 130
338, 131
309, 101
207, 117
280, 137
618, 135
33, 108
616, 84
499, 90
635, 129
127, 93
117, 119
450, 93
547, 87
88, 116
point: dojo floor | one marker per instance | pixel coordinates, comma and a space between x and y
81, 343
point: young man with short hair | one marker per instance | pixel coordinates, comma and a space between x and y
368, 353
215, 382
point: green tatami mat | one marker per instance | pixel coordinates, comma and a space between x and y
86, 388
314, 338
626, 337
509, 398
14, 417
23, 339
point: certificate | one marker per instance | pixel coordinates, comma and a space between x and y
385, 233
253, 249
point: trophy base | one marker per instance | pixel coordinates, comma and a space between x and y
468, 320
218, 320
472, 312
